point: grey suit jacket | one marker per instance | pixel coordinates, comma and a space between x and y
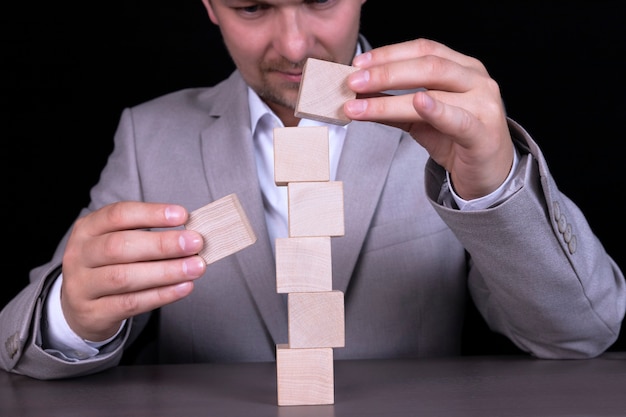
532, 265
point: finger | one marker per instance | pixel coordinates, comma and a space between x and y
386, 109
429, 72
401, 112
411, 49
450, 120
105, 314
123, 247
416, 112
141, 276
133, 215
131, 304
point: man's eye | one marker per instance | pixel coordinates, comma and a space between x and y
250, 9
253, 9
320, 4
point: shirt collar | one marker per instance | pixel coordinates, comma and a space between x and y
258, 109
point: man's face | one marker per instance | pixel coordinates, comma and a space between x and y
270, 40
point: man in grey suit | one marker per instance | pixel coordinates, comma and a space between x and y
443, 194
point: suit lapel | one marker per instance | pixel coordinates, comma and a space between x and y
227, 143
373, 146
368, 145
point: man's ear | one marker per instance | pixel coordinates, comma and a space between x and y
209, 9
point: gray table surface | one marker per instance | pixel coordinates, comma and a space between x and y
478, 386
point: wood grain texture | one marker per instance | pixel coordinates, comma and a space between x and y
315, 209
224, 227
301, 154
303, 264
316, 319
323, 91
304, 376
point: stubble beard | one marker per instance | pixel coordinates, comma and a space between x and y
284, 94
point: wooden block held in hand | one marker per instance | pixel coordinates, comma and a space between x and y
316, 319
315, 208
304, 376
224, 227
303, 264
323, 91
301, 154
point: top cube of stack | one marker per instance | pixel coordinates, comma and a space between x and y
323, 91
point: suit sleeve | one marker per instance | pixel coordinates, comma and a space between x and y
538, 274
21, 319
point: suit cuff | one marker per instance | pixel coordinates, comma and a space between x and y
450, 199
58, 338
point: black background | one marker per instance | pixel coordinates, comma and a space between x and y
68, 69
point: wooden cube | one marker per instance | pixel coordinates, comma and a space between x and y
301, 154
316, 319
303, 264
224, 227
323, 91
315, 208
304, 376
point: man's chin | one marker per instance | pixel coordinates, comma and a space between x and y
286, 99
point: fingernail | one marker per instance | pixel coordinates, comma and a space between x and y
427, 101
356, 107
362, 59
174, 213
359, 78
183, 288
193, 267
190, 241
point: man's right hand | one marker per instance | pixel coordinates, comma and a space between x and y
113, 268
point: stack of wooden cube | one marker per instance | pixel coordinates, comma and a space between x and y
305, 369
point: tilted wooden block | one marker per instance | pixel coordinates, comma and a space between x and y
316, 319
303, 264
224, 227
315, 208
323, 91
304, 376
301, 154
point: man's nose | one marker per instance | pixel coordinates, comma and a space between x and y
293, 37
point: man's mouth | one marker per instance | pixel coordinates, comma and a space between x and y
290, 75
